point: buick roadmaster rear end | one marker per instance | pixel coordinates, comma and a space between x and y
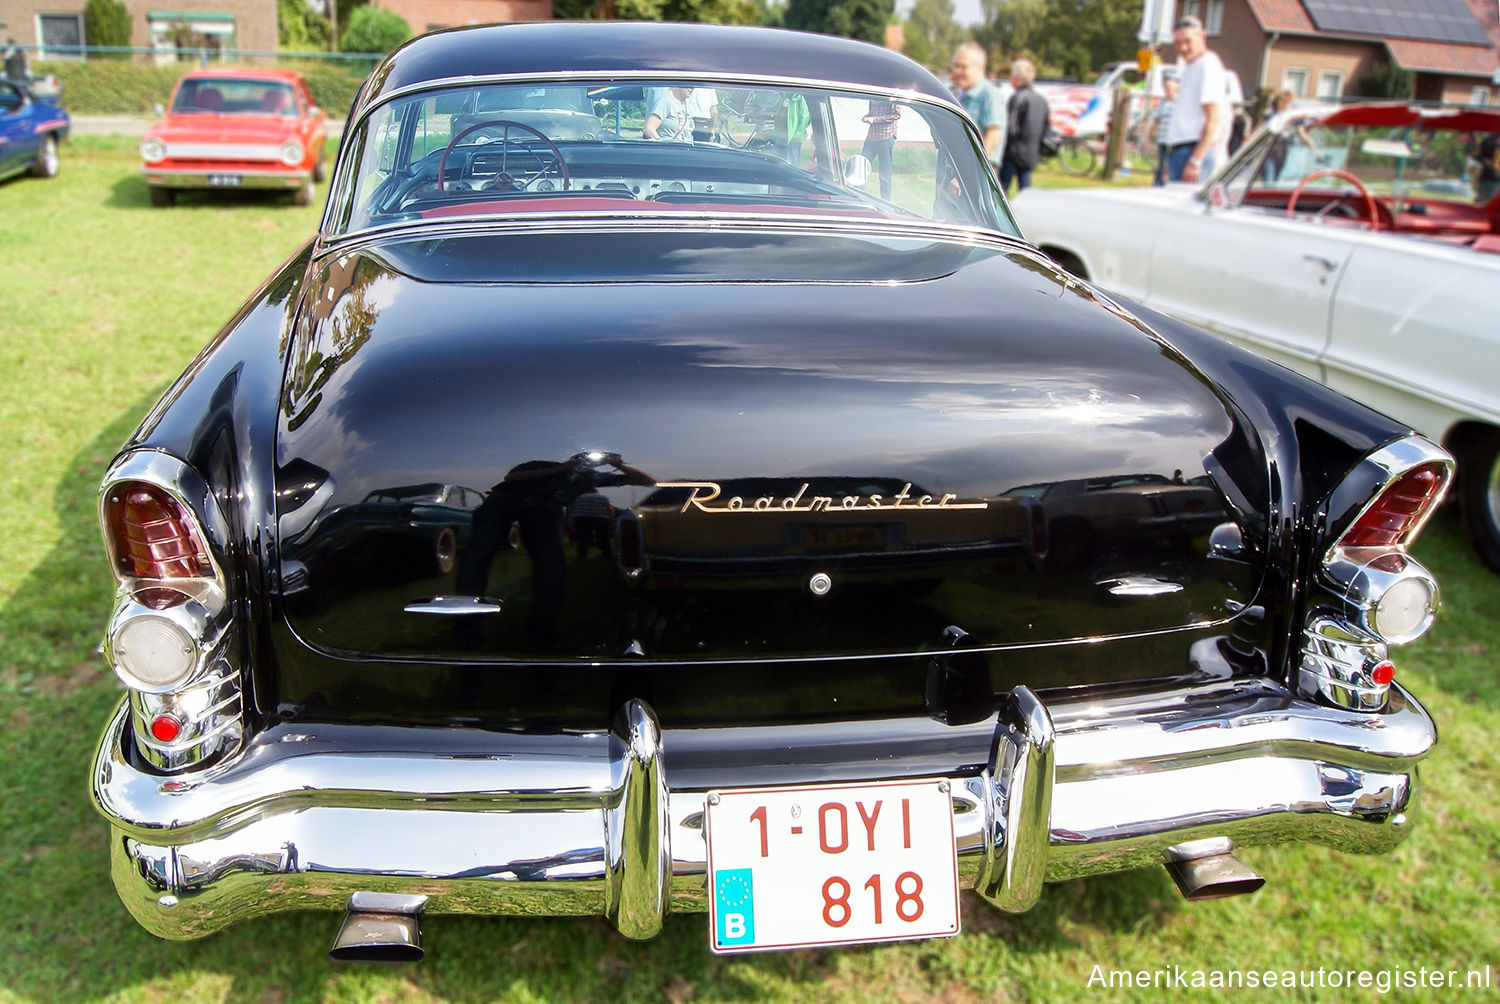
645, 496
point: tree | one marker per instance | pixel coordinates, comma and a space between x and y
300, 28
1388, 80
106, 22
709, 11
864, 19
372, 30
932, 33
1071, 36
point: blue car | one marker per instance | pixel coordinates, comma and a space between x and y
32, 124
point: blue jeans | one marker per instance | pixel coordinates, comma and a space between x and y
1178, 157
1010, 171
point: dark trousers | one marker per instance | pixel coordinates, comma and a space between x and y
882, 154
1010, 170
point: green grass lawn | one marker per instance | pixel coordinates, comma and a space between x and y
105, 300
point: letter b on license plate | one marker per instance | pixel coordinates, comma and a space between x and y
828, 865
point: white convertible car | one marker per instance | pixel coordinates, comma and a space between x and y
1353, 244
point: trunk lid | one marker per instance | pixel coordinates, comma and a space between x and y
736, 445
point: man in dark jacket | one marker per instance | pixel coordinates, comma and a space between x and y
1027, 118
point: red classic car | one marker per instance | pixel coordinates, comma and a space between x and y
230, 127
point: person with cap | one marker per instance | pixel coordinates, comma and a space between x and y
1161, 115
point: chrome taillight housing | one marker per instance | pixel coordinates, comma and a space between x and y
1372, 593
168, 637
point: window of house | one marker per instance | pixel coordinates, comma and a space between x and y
200, 30
1294, 79
1330, 85
1479, 96
1210, 12
59, 29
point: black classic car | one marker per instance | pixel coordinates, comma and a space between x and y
903, 561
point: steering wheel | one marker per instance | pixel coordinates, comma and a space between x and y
507, 125
1333, 172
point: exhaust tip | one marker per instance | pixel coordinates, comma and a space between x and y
1214, 876
379, 938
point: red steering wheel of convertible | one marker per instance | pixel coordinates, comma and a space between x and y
1333, 172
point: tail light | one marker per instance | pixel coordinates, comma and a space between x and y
168, 638
1393, 518
1374, 594
151, 535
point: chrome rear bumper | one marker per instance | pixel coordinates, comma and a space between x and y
259, 178
596, 824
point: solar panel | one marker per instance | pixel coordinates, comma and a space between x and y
1426, 20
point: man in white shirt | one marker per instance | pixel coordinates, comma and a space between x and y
1198, 133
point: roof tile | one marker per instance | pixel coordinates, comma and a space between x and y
1441, 57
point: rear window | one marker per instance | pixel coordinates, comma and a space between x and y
664, 147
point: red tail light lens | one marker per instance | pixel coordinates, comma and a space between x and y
153, 535
1391, 519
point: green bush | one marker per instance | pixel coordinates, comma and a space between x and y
106, 22
372, 30
111, 87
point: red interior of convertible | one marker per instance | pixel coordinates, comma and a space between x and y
1477, 226
1436, 217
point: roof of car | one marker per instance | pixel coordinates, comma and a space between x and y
616, 47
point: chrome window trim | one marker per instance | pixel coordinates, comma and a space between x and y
341, 179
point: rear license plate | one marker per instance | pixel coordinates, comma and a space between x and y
805, 867
224, 180
855, 537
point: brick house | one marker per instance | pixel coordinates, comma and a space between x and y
428, 15
1322, 48
211, 24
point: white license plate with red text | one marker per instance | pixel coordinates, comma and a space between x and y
804, 867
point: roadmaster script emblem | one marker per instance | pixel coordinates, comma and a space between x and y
705, 498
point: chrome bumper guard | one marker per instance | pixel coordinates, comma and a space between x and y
591, 824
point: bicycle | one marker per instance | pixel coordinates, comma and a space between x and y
1076, 155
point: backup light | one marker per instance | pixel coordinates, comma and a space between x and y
1404, 610
153, 651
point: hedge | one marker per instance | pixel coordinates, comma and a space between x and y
110, 87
